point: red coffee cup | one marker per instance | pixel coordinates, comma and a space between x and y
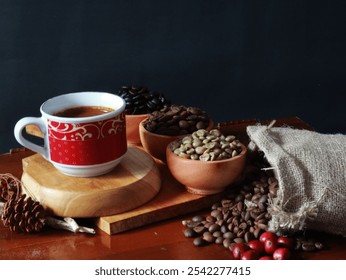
84, 132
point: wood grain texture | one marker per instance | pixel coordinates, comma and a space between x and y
135, 181
173, 200
34, 130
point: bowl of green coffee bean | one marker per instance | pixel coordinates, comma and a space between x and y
206, 162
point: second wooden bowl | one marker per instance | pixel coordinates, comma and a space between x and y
205, 177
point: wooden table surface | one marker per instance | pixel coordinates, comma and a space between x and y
161, 240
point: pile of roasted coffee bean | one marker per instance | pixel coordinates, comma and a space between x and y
141, 100
207, 146
240, 217
176, 120
308, 244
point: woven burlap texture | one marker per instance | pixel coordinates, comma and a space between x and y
311, 170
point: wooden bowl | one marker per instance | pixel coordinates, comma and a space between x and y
132, 128
205, 177
155, 144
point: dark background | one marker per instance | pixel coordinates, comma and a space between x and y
234, 59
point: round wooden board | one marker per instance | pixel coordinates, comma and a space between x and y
135, 181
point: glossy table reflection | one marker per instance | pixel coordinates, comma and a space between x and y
162, 240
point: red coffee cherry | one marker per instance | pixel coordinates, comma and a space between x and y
268, 235
282, 254
270, 246
286, 242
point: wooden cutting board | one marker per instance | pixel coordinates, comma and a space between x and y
172, 201
132, 183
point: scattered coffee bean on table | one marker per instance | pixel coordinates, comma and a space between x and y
242, 216
307, 244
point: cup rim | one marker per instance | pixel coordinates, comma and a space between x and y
46, 108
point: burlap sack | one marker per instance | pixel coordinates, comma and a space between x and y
311, 171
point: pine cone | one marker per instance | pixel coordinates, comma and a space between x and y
23, 214
9, 185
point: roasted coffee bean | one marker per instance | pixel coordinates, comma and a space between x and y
263, 227
253, 215
219, 240
235, 221
263, 199
214, 227
257, 233
207, 236
261, 206
217, 234
226, 203
215, 213
248, 237
239, 198
220, 222
197, 219
256, 197
208, 224
198, 242
224, 228
236, 229
200, 229
319, 245
240, 206
243, 226
298, 245
215, 206
236, 213
241, 233
210, 219
229, 235
308, 247
189, 233
239, 240
229, 220
191, 224
226, 214
262, 221
226, 242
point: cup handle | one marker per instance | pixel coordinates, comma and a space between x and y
18, 134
